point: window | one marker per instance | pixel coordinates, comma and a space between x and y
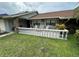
50, 22
53, 22
36, 23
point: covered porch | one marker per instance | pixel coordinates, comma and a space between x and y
38, 23
41, 27
47, 23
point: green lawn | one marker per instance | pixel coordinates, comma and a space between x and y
26, 45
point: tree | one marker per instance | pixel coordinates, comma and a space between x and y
76, 13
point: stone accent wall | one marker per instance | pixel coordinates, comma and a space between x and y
16, 24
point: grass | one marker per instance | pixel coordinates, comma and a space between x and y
26, 45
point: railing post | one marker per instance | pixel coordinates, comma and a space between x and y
66, 35
62, 34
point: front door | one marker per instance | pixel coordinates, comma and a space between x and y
24, 23
28, 23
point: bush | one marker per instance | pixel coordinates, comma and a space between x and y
60, 26
72, 30
77, 37
77, 34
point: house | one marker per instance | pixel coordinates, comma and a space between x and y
44, 24
34, 20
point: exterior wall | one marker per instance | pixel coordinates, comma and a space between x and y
8, 25
16, 24
44, 23
2, 25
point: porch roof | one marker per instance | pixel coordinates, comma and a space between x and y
57, 14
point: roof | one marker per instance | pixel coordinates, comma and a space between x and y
19, 14
57, 14
3, 14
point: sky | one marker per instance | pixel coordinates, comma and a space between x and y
41, 7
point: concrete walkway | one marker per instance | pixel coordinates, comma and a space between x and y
6, 34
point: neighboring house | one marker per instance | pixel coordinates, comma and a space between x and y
34, 20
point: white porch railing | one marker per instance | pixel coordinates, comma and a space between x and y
51, 33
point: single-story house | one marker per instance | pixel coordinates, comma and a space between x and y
33, 19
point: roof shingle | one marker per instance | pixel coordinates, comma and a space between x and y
57, 14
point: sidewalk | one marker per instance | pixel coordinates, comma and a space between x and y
6, 34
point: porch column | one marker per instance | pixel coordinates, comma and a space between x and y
16, 24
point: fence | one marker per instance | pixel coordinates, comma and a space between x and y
51, 33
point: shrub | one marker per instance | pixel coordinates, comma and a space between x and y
60, 26
77, 37
77, 34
